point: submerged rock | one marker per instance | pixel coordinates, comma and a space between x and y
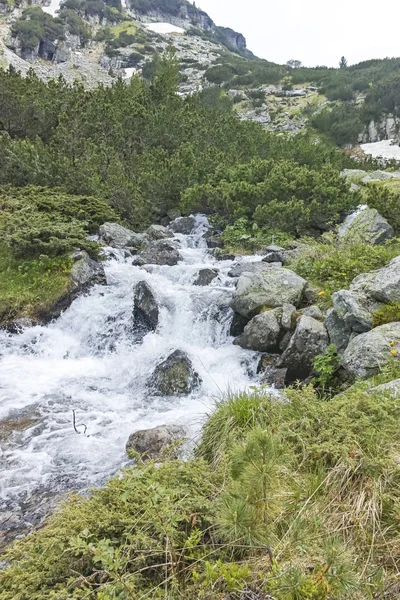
369, 352
367, 226
270, 288
308, 341
206, 276
175, 376
145, 310
151, 443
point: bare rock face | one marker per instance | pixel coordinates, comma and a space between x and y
270, 288
369, 352
308, 341
151, 443
175, 376
145, 310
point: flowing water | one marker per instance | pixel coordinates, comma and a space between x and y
88, 362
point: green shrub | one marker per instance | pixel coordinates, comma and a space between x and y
35, 26
386, 202
219, 74
387, 314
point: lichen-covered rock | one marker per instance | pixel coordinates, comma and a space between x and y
369, 352
367, 226
313, 311
391, 389
175, 376
183, 225
382, 285
145, 310
270, 288
274, 254
117, 236
262, 332
86, 272
248, 267
151, 443
339, 333
308, 341
354, 309
288, 317
158, 232
205, 277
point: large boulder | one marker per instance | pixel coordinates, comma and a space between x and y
158, 232
308, 341
152, 443
183, 225
205, 277
175, 376
145, 310
369, 352
367, 226
354, 309
159, 252
117, 236
248, 267
382, 285
267, 289
262, 333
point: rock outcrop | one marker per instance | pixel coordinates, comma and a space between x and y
152, 443
369, 352
145, 310
175, 376
267, 289
158, 232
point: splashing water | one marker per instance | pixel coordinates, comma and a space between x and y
87, 362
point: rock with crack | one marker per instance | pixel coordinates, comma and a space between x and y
367, 226
262, 332
205, 277
145, 310
270, 288
117, 236
175, 376
354, 309
309, 340
152, 443
339, 333
369, 352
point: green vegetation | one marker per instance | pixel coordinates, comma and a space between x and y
36, 26
293, 500
387, 314
386, 199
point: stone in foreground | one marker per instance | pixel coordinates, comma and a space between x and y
145, 310
369, 352
151, 443
175, 376
267, 289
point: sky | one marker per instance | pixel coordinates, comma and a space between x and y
313, 31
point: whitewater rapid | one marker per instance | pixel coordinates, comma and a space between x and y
87, 362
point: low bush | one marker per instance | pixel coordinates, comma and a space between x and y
388, 313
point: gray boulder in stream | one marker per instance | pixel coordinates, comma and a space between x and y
267, 289
151, 443
205, 277
175, 376
262, 333
145, 310
183, 225
159, 252
308, 341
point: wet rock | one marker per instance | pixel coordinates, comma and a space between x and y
339, 333
152, 443
117, 236
270, 288
262, 332
215, 241
270, 373
369, 352
19, 421
161, 252
18, 325
367, 226
206, 276
238, 324
175, 376
145, 310
224, 256
158, 232
308, 341
183, 225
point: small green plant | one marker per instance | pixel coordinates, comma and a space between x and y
326, 366
386, 314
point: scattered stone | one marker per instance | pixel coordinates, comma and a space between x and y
205, 277
270, 288
175, 376
367, 226
117, 236
145, 310
313, 311
308, 341
158, 232
369, 352
152, 443
262, 332
183, 225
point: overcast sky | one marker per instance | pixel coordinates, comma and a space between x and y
313, 31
